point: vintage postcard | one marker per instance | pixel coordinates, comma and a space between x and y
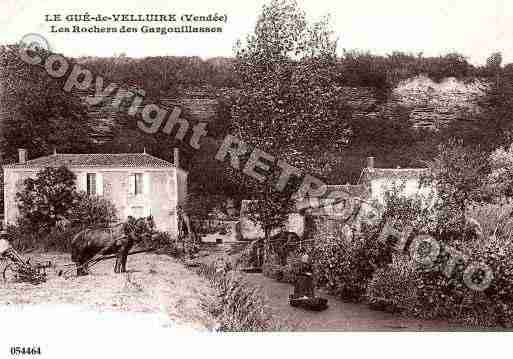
175, 172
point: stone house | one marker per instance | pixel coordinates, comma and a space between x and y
340, 202
379, 180
138, 184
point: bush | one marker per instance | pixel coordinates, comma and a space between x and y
85, 211
345, 266
47, 199
23, 238
393, 287
90, 211
494, 219
163, 243
429, 292
238, 305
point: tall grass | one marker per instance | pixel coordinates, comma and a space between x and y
238, 306
495, 221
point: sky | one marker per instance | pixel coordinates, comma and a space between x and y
435, 27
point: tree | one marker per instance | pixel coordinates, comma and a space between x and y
38, 114
48, 198
290, 102
494, 61
494, 125
270, 208
290, 98
459, 174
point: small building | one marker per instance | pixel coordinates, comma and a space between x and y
379, 180
138, 184
346, 202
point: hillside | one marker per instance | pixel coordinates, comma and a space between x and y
432, 105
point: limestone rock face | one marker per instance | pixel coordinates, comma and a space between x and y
432, 104
437, 104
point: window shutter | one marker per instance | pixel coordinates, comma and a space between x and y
145, 183
131, 184
99, 184
82, 181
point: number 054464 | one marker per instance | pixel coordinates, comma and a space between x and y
26, 350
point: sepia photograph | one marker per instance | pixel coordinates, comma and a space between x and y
178, 177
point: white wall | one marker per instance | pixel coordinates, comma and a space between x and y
411, 187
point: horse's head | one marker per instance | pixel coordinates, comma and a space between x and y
142, 229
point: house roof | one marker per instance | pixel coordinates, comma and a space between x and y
351, 190
372, 173
95, 160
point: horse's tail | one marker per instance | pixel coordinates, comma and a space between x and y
75, 246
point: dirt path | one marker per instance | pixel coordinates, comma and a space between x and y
340, 316
153, 284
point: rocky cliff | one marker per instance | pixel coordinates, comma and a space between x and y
431, 104
434, 104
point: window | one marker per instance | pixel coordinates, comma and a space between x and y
136, 183
91, 184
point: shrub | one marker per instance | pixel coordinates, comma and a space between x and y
85, 211
430, 292
238, 306
47, 199
24, 238
494, 219
345, 266
460, 175
497, 253
393, 287
89, 211
163, 243
21, 237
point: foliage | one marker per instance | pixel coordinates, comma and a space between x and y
162, 76
417, 212
162, 242
270, 208
202, 206
289, 101
24, 238
88, 211
48, 198
344, 266
459, 175
393, 287
239, 305
39, 115
494, 125
434, 291
500, 180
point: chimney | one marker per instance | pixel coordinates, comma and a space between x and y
176, 157
370, 162
22, 155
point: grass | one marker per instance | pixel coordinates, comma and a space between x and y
238, 305
494, 219
153, 284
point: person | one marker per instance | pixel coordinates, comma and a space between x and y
304, 283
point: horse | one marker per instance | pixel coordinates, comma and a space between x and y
118, 239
